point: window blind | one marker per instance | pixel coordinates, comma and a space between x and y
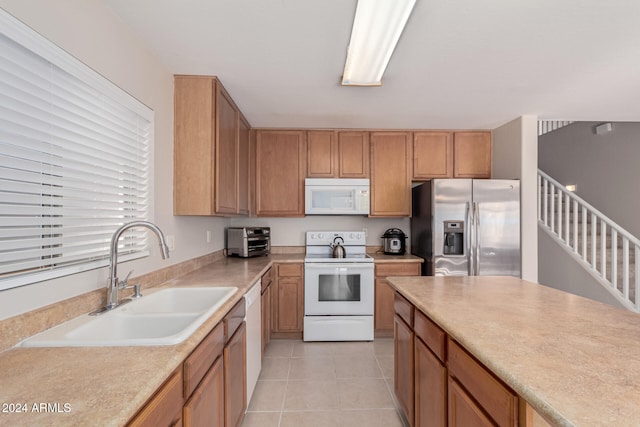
74, 162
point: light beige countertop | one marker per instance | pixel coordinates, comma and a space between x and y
107, 385
381, 258
576, 361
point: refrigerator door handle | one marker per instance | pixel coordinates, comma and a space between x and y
469, 228
477, 238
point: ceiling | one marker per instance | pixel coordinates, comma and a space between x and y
464, 64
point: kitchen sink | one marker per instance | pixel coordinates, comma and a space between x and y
164, 317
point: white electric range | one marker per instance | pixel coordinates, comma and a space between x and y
338, 292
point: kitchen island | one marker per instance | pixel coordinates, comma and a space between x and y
573, 360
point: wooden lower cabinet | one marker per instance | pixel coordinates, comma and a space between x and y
209, 388
403, 371
463, 411
288, 300
164, 409
383, 313
448, 386
205, 407
235, 372
265, 307
430, 388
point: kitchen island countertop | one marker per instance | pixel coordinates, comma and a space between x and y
574, 360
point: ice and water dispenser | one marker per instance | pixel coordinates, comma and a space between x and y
453, 238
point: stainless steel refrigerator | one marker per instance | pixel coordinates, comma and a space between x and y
467, 227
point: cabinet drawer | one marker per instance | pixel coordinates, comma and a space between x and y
434, 337
234, 319
498, 401
266, 280
403, 308
165, 407
201, 359
398, 269
290, 270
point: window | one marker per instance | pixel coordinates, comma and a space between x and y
74, 162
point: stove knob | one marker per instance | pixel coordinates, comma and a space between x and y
351, 236
320, 235
358, 236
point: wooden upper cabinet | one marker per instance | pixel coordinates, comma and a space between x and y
353, 154
472, 154
280, 172
337, 154
207, 150
226, 188
390, 174
243, 165
322, 154
432, 155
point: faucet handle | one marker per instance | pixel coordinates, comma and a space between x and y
123, 284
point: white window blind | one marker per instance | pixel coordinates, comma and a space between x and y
74, 162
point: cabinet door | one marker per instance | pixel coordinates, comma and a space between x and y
430, 388
194, 149
496, 400
226, 193
432, 155
164, 409
353, 154
390, 174
472, 155
280, 173
243, 165
383, 315
403, 381
290, 305
265, 301
463, 411
321, 154
235, 373
205, 407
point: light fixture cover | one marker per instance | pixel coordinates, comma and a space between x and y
377, 27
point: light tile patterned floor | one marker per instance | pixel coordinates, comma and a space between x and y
338, 384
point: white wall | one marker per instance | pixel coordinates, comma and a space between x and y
515, 156
291, 231
91, 32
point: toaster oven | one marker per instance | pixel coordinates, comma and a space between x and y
248, 241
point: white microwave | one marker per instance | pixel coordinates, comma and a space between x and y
336, 196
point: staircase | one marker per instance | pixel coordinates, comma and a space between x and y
611, 253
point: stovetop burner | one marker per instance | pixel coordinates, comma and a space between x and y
319, 247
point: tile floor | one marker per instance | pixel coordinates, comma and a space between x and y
311, 384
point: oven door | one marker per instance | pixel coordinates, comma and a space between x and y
338, 289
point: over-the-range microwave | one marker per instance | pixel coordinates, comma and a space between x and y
336, 196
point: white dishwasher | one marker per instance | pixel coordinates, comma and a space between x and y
253, 318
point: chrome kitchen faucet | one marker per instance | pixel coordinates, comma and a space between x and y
113, 284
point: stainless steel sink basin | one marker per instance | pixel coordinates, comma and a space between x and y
165, 317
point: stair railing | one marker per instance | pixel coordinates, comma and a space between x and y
593, 238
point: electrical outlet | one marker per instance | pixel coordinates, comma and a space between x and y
208, 236
366, 232
171, 242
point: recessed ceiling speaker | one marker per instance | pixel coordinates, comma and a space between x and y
604, 128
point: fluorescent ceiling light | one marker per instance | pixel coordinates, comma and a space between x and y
376, 30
